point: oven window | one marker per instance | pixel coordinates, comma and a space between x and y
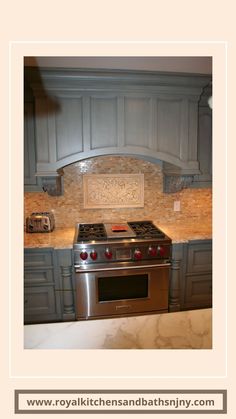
122, 287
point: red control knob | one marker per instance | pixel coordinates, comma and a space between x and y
93, 255
83, 255
152, 251
161, 250
108, 253
138, 254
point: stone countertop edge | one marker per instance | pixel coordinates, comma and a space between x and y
179, 330
62, 238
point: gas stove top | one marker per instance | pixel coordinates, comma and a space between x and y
134, 241
134, 229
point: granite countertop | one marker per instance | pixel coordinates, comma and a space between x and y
193, 230
62, 238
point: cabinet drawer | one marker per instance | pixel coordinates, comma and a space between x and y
199, 258
39, 300
38, 258
198, 291
38, 276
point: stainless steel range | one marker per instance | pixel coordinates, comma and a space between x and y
121, 269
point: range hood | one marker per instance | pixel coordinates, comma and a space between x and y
83, 114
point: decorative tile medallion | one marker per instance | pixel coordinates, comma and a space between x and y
113, 191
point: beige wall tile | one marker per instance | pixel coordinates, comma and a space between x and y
196, 204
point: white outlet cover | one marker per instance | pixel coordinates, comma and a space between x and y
176, 205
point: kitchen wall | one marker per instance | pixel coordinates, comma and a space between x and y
196, 204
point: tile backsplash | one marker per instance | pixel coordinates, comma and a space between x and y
195, 204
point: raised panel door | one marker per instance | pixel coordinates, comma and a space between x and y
169, 127
137, 121
103, 122
69, 127
39, 300
198, 291
31, 182
29, 146
199, 257
38, 258
204, 148
38, 276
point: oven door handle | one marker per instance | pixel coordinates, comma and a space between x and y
119, 268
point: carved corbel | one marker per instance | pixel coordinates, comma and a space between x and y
53, 185
173, 184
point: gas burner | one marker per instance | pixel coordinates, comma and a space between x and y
88, 232
146, 230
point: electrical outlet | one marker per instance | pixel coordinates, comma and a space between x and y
176, 205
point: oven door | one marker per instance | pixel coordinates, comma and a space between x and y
122, 291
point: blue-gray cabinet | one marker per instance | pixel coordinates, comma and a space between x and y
48, 285
81, 114
204, 178
197, 290
41, 287
31, 182
191, 275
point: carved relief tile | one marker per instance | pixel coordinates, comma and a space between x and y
113, 191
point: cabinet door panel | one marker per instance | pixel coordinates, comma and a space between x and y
199, 258
103, 122
198, 292
204, 179
204, 146
38, 276
38, 258
169, 126
29, 145
69, 127
39, 300
42, 299
137, 121
31, 182
205, 143
42, 133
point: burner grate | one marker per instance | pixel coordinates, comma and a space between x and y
89, 232
146, 230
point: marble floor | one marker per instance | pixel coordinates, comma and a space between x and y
179, 330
